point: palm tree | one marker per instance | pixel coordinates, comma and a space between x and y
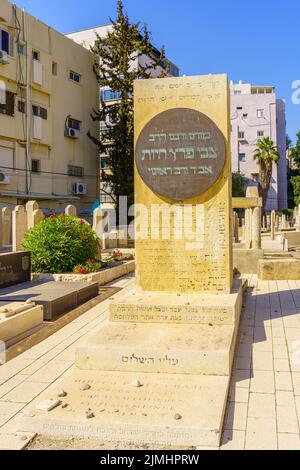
265, 154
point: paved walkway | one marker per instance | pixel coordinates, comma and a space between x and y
263, 410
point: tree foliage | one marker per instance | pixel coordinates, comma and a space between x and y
239, 183
295, 152
265, 154
116, 67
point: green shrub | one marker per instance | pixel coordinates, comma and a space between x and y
59, 243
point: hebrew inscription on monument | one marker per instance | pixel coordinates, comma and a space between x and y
180, 153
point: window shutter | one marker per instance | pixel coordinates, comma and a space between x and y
10, 103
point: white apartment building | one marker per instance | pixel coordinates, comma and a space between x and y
256, 112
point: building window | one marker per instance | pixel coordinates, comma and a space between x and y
21, 49
35, 110
245, 116
77, 171
260, 113
241, 134
36, 55
40, 112
239, 108
35, 166
22, 106
54, 69
43, 113
8, 107
4, 41
260, 133
75, 77
242, 157
109, 95
74, 124
237, 92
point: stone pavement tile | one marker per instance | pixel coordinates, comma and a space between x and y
296, 382
238, 394
11, 384
10, 409
241, 378
244, 350
243, 363
12, 425
206, 448
39, 363
261, 434
262, 405
287, 421
278, 331
11, 368
50, 372
292, 334
16, 441
262, 360
283, 381
291, 321
279, 341
262, 382
23, 393
288, 441
236, 416
246, 334
262, 333
297, 402
282, 365
263, 346
280, 351
284, 398
233, 440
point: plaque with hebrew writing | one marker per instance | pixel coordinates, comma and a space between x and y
180, 154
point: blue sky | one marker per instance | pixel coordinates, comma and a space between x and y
257, 42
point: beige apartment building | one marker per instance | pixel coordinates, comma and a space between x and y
86, 38
47, 92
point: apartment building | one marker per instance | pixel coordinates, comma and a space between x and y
256, 112
47, 92
86, 38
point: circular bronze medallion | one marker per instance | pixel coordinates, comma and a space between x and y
180, 153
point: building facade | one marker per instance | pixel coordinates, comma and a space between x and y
86, 38
256, 113
47, 91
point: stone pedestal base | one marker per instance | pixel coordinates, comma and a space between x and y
157, 384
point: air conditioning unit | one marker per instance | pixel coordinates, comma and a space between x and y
79, 189
4, 58
4, 177
72, 133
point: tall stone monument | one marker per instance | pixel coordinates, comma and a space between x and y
159, 371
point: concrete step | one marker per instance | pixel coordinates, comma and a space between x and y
221, 309
172, 349
170, 410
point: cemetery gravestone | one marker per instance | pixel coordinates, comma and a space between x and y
174, 335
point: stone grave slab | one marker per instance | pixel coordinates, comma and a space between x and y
173, 349
56, 297
171, 410
15, 268
21, 325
